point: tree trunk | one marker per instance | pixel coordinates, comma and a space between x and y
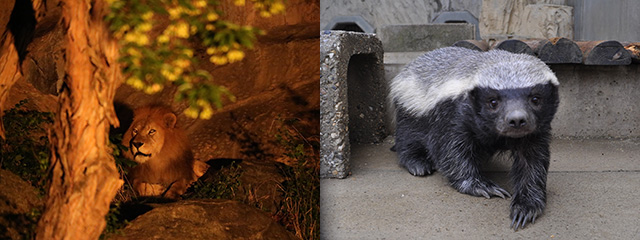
9, 63
84, 177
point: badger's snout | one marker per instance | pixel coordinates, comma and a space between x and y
516, 122
517, 119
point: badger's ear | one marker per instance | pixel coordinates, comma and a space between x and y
169, 120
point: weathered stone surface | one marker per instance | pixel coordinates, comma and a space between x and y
502, 18
17, 199
204, 219
546, 21
352, 96
422, 38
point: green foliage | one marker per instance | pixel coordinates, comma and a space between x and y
223, 184
25, 151
114, 223
156, 55
122, 163
300, 210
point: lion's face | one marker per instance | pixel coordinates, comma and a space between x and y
146, 136
146, 141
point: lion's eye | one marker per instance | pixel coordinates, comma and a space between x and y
152, 131
135, 131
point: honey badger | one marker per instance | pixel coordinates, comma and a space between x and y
456, 107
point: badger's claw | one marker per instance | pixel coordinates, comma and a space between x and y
521, 214
481, 188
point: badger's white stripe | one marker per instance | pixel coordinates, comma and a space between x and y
448, 73
413, 96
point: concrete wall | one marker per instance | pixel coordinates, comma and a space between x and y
598, 101
606, 20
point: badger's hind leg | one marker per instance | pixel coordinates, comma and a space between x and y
415, 158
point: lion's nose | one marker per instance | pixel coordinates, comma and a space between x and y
137, 144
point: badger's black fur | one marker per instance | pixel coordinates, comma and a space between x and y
455, 108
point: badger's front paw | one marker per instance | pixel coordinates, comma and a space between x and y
523, 211
480, 188
418, 167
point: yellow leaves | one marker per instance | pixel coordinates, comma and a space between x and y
206, 113
188, 52
203, 110
191, 112
277, 7
154, 55
235, 55
174, 13
182, 63
147, 16
163, 38
199, 3
154, 88
265, 14
144, 27
168, 75
226, 55
182, 30
219, 60
212, 16
134, 52
269, 8
135, 82
136, 37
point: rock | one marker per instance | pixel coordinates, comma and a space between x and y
260, 182
204, 219
18, 199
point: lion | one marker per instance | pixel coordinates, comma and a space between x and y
166, 166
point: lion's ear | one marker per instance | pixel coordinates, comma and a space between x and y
169, 120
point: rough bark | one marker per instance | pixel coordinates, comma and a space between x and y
9, 62
84, 178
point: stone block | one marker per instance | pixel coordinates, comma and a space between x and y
352, 97
422, 38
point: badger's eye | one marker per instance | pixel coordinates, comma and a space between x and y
493, 103
535, 100
152, 131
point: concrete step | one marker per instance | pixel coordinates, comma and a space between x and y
593, 193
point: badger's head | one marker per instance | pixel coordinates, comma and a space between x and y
516, 97
516, 112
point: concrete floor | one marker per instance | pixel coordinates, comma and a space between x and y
593, 192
